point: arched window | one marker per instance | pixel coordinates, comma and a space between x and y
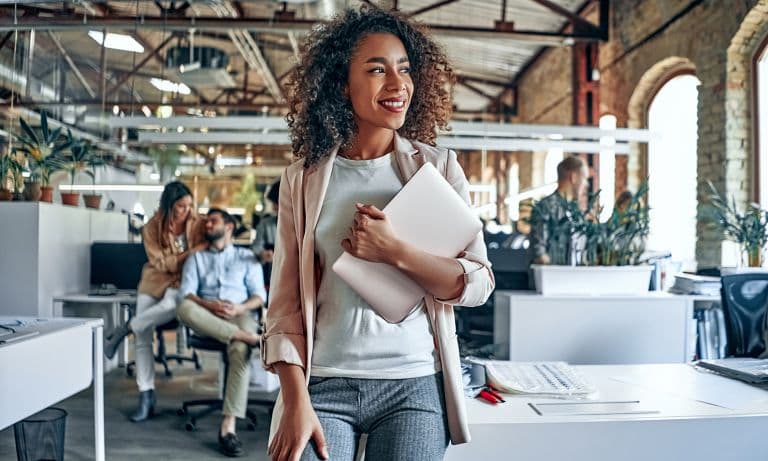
672, 115
761, 134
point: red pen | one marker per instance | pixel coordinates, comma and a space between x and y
487, 396
493, 392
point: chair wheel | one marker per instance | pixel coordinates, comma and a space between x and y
181, 412
198, 366
251, 426
129, 371
190, 427
168, 374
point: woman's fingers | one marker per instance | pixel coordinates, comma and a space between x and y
370, 210
319, 437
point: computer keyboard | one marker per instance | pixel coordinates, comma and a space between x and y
540, 378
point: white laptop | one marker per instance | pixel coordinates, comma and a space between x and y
428, 213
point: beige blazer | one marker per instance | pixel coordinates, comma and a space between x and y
162, 269
290, 319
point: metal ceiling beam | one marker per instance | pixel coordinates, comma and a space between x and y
260, 25
431, 7
475, 89
150, 104
141, 64
76, 70
579, 24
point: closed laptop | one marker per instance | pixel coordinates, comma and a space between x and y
430, 215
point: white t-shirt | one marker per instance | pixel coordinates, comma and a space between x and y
351, 339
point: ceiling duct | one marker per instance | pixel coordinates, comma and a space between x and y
202, 67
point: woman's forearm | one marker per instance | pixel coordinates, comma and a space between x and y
292, 384
442, 277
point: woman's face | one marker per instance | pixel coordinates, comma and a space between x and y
182, 208
379, 84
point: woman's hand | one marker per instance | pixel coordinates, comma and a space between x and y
298, 425
371, 236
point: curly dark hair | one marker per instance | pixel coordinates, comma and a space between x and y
321, 115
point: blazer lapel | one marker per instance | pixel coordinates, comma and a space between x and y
315, 186
408, 159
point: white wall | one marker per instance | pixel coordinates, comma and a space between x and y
45, 251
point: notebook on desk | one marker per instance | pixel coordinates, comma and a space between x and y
429, 214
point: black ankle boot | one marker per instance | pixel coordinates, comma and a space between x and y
113, 340
146, 406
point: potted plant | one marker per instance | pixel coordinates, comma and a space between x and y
75, 162
589, 256
43, 150
748, 228
8, 166
94, 160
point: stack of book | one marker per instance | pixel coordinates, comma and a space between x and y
690, 284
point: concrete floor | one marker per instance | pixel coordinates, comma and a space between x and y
161, 438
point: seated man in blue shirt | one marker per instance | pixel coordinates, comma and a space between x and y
220, 286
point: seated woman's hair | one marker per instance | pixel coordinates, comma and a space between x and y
321, 115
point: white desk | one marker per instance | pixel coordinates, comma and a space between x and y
701, 417
62, 359
655, 327
84, 305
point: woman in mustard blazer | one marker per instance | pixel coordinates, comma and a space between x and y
369, 94
173, 233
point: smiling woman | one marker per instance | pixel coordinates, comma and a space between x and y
368, 95
324, 104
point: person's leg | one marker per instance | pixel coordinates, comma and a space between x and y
406, 419
336, 404
238, 375
204, 322
149, 314
145, 363
160, 312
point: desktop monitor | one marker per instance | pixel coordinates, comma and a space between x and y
117, 263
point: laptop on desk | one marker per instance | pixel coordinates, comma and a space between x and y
749, 370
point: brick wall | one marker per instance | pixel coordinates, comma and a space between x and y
716, 40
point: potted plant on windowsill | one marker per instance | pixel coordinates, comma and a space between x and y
43, 149
748, 228
591, 257
75, 162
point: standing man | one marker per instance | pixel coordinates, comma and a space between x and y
220, 286
572, 182
264, 242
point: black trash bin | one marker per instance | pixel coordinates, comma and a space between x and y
41, 436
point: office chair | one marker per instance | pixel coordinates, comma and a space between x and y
745, 301
162, 356
211, 405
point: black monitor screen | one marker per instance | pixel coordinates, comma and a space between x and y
117, 263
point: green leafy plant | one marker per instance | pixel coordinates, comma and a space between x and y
748, 228
43, 148
9, 167
248, 196
618, 241
167, 160
94, 161
78, 158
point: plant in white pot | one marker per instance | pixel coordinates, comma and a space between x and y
44, 149
588, 256
748, 228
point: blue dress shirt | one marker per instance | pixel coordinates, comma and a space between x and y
232, 274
